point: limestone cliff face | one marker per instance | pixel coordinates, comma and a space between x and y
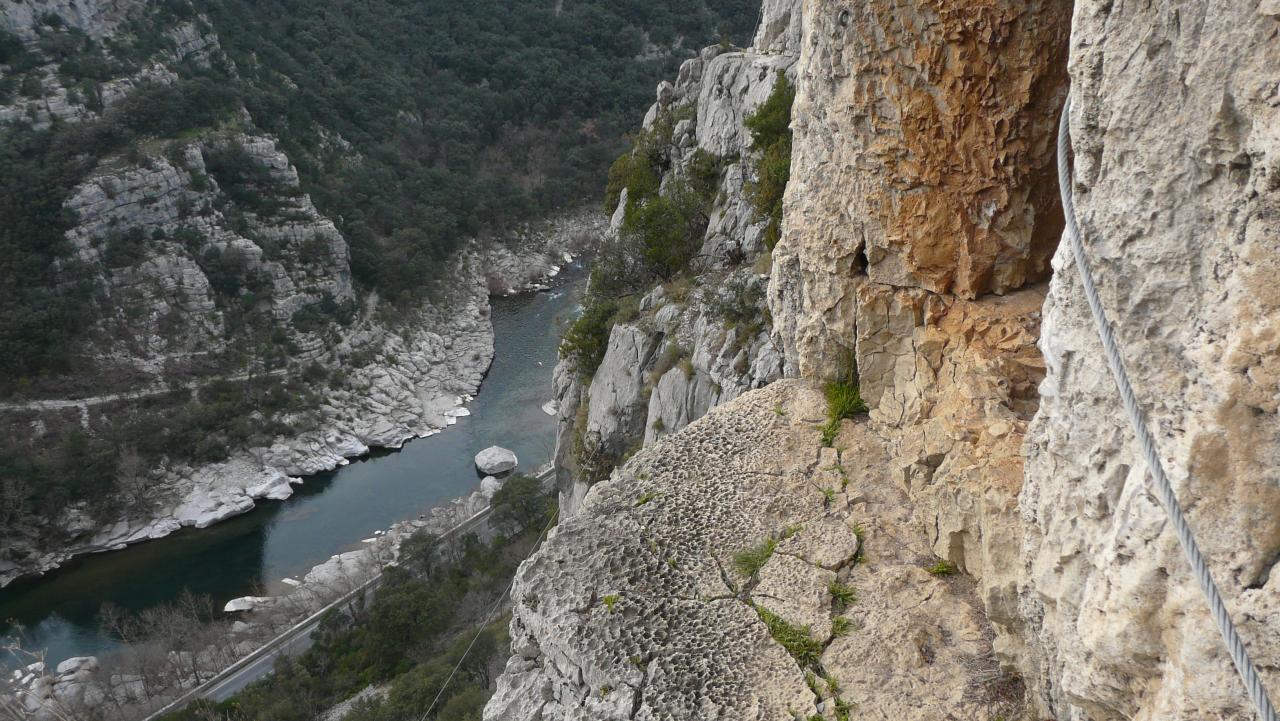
920, 222
1176, 131
681, 355
921, 161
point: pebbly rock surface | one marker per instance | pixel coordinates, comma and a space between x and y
1176, 131
634, 609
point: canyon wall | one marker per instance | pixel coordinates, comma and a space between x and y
1175, 125
990, 511
700, 340
213, 276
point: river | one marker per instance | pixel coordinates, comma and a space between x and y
327, 514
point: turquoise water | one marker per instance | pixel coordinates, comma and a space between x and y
328, 514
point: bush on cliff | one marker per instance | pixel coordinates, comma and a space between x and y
770, 127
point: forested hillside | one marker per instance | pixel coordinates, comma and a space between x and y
413, 125
243, 229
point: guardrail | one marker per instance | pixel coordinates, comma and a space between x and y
308, 624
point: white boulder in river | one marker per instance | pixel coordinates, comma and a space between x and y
494, 460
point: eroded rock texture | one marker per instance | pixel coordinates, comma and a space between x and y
636, 609
1176, 128
921, 159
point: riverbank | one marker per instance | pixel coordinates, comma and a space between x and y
238, 649
415, 384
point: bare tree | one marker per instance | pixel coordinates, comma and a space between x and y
131, 476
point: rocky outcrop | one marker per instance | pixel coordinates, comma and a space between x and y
494, 460
920, 218
636, 608
922, 160
700, 341
1176, 132
95, 18
50, 95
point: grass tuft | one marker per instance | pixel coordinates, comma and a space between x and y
841, 626
795, 639
844, 595
750, 561
844, 400
942, 568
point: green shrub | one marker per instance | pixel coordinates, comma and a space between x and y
587, 337
771, 139
521, 504
668, 228
125, 248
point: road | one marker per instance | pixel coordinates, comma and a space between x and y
52, 404
297, 639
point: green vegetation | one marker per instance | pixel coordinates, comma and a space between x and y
830, 430
828, 497
412, 125
843, 401
587, 337
738, 304
770, 127
795, 639
660, 235
841, 626
520, 503
859, 532
611, 602
942, 568
646, 497
750, 561
843, 595
468, 116
105, 463
49, 299
410, 636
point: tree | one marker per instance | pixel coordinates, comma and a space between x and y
520, 504
467, 705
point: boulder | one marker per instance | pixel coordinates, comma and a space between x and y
77, 664
490, 486
495, 460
